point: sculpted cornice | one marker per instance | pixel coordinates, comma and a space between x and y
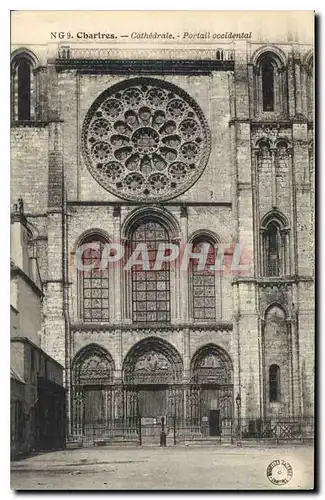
148, 330
213, 327
273, 282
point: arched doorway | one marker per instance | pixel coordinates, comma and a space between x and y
92, 392
211, 392
152, 376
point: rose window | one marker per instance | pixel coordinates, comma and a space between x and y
145, 139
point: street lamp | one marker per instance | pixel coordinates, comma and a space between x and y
238, 403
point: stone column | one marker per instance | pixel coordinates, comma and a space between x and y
126, 288
77, 411
112, 406
41, 93
286, 251
273, 168
297, 400
119, 412
117, 266
304, 100
262, 369
301, 200
236, 341
14, 94
184, 281
108, 402
131, 406
291, 88
298, 86
176, 265
251, 89
54, 341
175, 287
218, 284
291, 366
246, 328
195, 409
292, 243
256, 212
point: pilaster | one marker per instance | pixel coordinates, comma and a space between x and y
55, 330
184, 281
117, 267
298, 93
301, 199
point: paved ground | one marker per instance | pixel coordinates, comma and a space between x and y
150, 468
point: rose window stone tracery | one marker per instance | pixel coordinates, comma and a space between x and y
145, 139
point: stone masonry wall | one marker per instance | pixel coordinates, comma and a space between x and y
233, 197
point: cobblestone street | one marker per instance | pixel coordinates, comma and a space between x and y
152, 468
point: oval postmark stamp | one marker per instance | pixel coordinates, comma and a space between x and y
279, 472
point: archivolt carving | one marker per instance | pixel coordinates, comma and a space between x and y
93, 365
277, 55
211, 364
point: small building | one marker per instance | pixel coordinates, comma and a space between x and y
37, 396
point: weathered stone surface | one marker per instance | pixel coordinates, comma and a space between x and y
236, 190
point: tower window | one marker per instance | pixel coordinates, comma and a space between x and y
268, 86
275, 244
23, 85
273, 250
274, 383
24, 88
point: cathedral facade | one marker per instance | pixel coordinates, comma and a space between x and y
116, 150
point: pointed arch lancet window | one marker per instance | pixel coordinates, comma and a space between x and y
94, 282
150, 288
275, 245
268, 85
203, 283
273, 250
23, 87
274, 383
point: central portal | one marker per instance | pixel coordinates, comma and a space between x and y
210, 412
153, 406
153, 403
153, 370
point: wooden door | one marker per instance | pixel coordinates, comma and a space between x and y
214, 423
94, 406
152, 407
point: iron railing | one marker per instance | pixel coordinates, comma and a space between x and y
279, 429
186, 430
254, 429
113, 431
